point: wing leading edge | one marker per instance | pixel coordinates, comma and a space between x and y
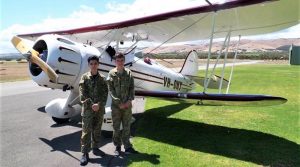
242, 17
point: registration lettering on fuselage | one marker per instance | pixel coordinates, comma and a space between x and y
176, 85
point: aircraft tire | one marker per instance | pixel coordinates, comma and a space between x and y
60, 120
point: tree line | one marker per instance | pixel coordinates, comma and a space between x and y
242, 55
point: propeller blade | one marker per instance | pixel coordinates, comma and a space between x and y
44, 66
33, 56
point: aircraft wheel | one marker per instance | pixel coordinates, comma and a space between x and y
60, 120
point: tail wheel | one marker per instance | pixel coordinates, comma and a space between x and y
61, 120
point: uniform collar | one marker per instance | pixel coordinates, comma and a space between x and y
90, 74
116, 71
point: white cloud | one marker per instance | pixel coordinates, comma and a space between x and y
87, 16
84, 17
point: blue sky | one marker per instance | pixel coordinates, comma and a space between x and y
28, 16
28, 12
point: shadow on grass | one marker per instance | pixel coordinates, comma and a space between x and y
152, 158
246, 145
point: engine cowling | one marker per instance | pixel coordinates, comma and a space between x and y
65, 57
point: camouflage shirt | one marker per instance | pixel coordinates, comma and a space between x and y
93, 89
121, 86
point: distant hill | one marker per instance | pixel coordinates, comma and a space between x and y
274, 45
284, 47
245, 46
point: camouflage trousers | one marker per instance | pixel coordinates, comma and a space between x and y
91, 130
121, 116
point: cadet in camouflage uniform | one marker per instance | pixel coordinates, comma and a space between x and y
121, 87
93, 95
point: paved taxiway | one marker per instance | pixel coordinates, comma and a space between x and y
29, 137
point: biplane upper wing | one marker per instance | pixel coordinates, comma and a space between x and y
242, 17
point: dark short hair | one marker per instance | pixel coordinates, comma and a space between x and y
120, 56
93, 58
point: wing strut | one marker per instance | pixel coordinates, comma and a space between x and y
225, 43
225, 59
233, 63
182, 30
209, 51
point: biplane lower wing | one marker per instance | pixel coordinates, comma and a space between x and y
215, 99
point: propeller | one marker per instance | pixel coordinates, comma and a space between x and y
33, 56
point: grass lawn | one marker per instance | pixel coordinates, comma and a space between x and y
173, 134
11, 71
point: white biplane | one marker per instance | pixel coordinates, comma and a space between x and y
57, 59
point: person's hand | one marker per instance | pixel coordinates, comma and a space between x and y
95, 107
122, 106
125, 105
128, 104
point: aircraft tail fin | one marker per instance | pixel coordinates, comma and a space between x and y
190, 65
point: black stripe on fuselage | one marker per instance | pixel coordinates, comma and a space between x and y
148, 80
134, 71
143, 79
138, 72
102, 70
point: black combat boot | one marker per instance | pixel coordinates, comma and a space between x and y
131, 150
98, 152
84, 159
118, 151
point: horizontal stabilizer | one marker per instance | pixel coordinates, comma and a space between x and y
216, 99
213, 83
